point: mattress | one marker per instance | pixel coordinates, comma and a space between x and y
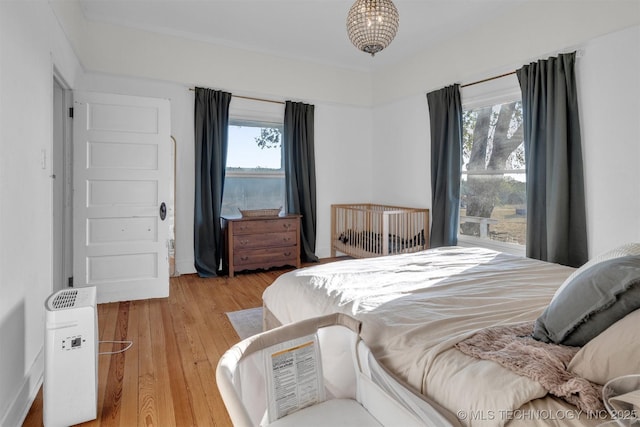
415, 307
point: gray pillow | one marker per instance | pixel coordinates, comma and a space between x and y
591, 302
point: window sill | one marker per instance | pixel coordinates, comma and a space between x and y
510, 248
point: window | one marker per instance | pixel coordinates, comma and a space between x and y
493, 193
255, 171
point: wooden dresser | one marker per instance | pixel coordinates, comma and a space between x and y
262, 242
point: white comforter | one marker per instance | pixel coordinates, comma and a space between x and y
416, 307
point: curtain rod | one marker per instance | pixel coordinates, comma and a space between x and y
489, 79
579, 54
250, 98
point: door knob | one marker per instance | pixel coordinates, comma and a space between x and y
163, 211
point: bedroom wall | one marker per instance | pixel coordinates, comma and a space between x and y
398, 117
532, 30
402, 171
343, 153
371, 145
401, 122
610, 107
124, 51
128, 61
609, 87
31, 43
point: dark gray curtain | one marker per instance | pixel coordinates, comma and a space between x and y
300, 171
211, 130
445, 113
556, 220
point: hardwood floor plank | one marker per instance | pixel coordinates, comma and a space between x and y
192, 352
34, 417
177, 384
129, 409
113, 393
110, 316
147, 402
207, 375
167, 377
159, 349
200, 411
203, 306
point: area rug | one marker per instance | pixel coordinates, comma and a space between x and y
246, 322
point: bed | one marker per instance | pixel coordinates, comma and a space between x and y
416, 307
367, 230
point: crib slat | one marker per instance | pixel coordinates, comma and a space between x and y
368, 230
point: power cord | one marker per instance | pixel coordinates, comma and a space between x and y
130, 343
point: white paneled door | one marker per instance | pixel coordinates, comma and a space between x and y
121, 174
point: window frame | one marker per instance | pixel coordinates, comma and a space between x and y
255, 113
260, 124
498, 91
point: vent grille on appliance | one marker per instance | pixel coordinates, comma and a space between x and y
65, 299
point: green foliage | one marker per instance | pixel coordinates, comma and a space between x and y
492, 190
269, 138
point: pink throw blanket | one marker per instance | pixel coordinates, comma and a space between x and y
514, 348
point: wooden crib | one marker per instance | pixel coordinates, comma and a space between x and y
368, 230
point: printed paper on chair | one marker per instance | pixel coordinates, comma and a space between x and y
293, 376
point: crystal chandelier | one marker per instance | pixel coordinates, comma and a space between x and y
372, 24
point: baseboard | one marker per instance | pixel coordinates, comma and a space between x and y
185, 266
19, 408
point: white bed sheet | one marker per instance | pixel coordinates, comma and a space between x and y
416, 307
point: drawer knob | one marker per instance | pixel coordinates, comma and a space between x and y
244, 258
286, 225
287, 254
286, 239
244, 242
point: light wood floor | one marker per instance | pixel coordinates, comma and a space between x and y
167, 378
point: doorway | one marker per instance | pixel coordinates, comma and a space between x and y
61, 174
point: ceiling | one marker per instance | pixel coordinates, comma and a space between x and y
313, 30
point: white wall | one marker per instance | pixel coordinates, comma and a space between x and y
401, 123
31, 43
342, 98
344, 163
609, 96
534, 29
370, 145
394, 136
113, 49
343, 134
402, 157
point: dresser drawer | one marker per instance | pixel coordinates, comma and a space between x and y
265, 226
274, 240
267, 256
260, 243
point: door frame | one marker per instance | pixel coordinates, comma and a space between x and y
61, 147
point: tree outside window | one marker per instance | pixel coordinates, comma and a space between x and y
493, 193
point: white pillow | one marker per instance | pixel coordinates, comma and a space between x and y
611, 354
624, 250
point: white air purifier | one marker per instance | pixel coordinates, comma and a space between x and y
70, 390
